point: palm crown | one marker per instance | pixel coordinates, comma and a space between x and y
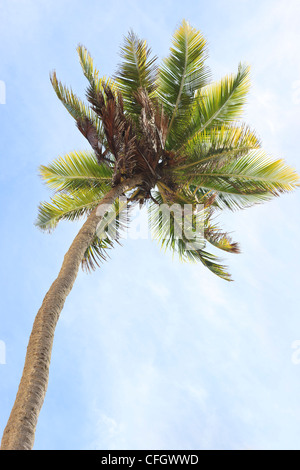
175, 128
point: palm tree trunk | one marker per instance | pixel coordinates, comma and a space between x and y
19, 433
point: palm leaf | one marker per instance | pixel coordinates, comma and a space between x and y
180, 76
210, 261
70, 206
86, 119
240, 183
97, 84
219, 103
87, 64
165, 231
76, 170
137, 70
219, 144
216, 237
109, 232
96, 254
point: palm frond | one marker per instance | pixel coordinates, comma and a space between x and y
97, 83
222, 240
218, 145
72, 103
70, 206
171, 235
165, 233
210, 261
86, 119
96, 253
240, 183
113, 225
136, 71
87, 64
219, 103
181, 75
76, 170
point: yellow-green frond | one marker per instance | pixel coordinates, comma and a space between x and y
86, 119
71, 206
216, 237
76, 170
218, 145
188, 243
251, 179
219, 103
181, 74
95, 254
137, 70
97, 83
87, 64
72, 103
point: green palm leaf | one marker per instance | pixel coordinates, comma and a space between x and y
180, 76
76, 170
87, 64
72, 103
70, 206
96, 254
219, 103
114, 223
240, 183
210, 261
217, 145
86, 119
137, 70
97, 84
166, 232
216, 237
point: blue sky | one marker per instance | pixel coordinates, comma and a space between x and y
150, 353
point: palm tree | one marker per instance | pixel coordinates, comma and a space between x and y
159, 135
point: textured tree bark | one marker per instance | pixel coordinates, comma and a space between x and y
19, 433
